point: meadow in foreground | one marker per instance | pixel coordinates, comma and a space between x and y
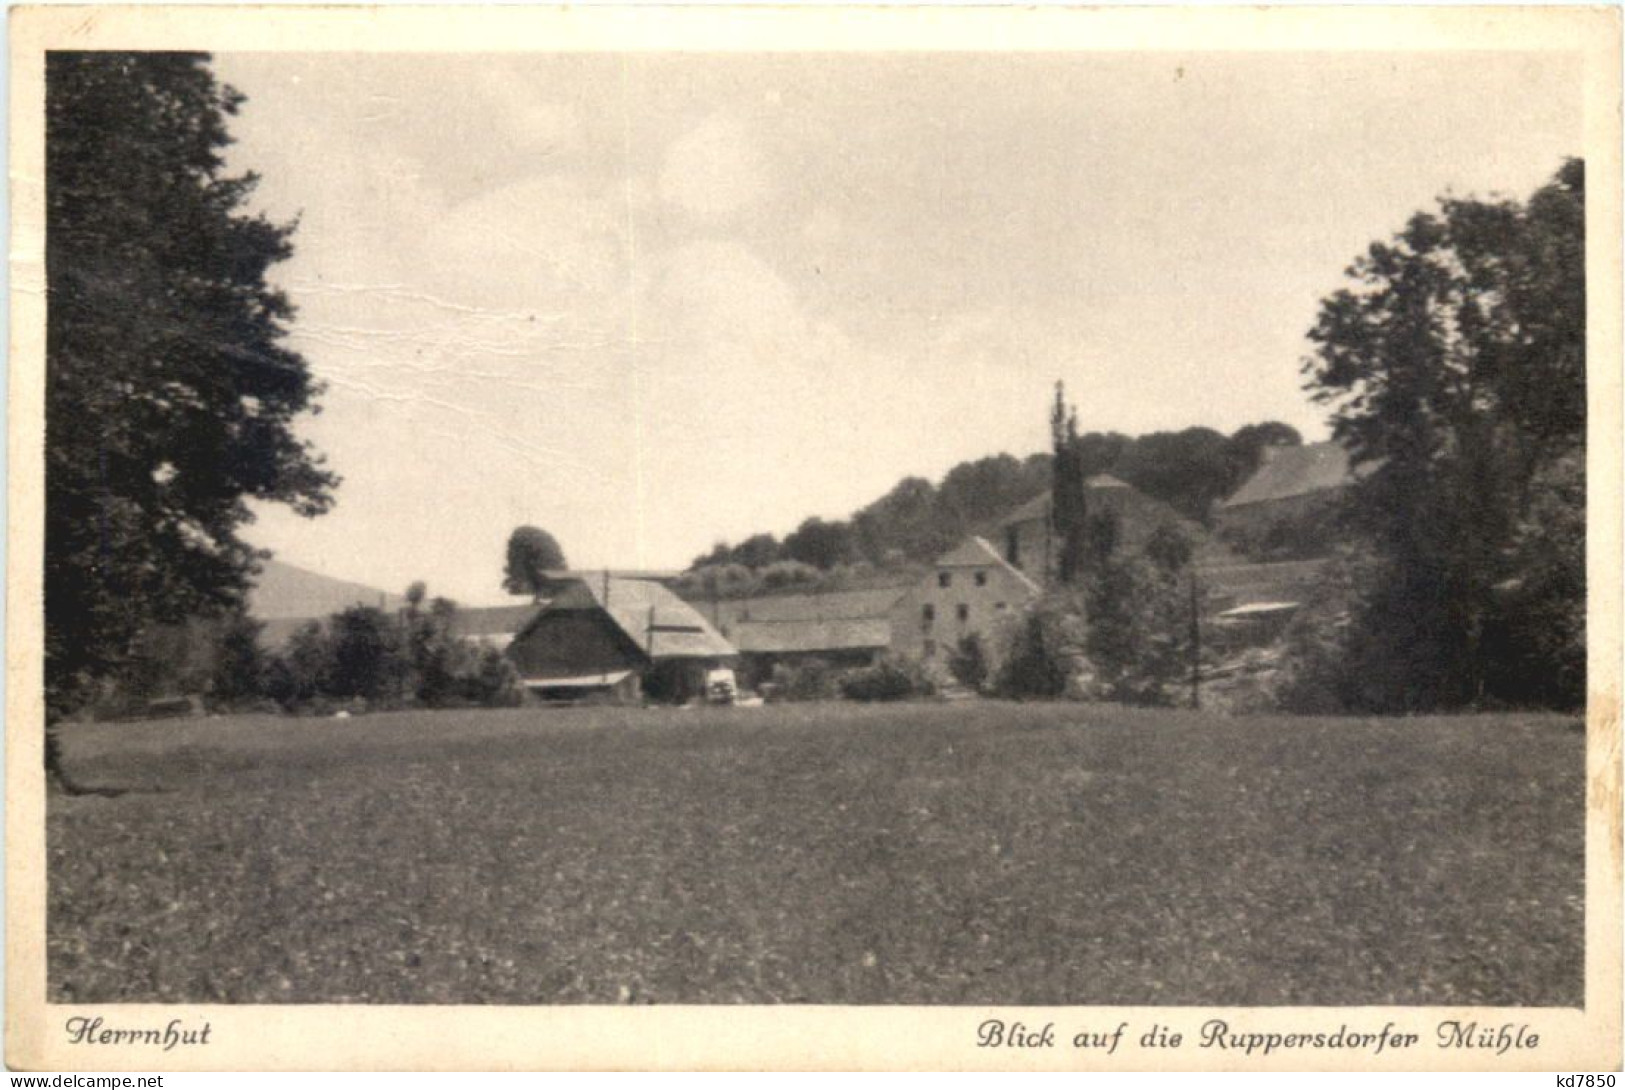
974, 853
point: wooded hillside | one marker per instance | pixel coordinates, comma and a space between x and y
917, 520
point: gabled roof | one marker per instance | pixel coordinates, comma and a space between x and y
658, 622
1298, 471
975, 552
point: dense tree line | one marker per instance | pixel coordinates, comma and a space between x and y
917, 520
361, 657
367, 658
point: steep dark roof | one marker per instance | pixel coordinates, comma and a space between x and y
652, 617
1297, 471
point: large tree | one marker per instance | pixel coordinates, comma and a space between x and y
532, 553
170, 394
1455, 365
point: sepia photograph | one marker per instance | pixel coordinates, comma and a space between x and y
861, 526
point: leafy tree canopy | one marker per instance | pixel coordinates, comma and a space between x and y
1454, 363
170, 395
532, 553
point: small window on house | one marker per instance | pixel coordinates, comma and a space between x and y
945, 579
928, 613
930, 648
981, 578
1000, 605
963, 611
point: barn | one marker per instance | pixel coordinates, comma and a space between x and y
1291, 486
838, 628
620, 639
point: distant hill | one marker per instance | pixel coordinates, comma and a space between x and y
283, 591
1184, 472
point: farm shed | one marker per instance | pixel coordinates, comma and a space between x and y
841, 628
618, 638
855, 641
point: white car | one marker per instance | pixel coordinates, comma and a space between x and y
721, 687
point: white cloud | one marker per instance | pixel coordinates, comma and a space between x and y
714, 171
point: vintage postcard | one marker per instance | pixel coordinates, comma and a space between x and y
814, 537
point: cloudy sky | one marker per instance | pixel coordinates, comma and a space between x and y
649, 301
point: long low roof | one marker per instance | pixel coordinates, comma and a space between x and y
582, 681
849, 620
816, 606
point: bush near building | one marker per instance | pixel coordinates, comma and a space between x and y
891, 678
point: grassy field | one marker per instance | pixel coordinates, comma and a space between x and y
968, 853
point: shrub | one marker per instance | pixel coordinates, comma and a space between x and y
300, 671
812, 679
1168, 549
368, 659
788, 573
888, 679
1045, 651
494, 681
1138, 630
239, 674
1319, 674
